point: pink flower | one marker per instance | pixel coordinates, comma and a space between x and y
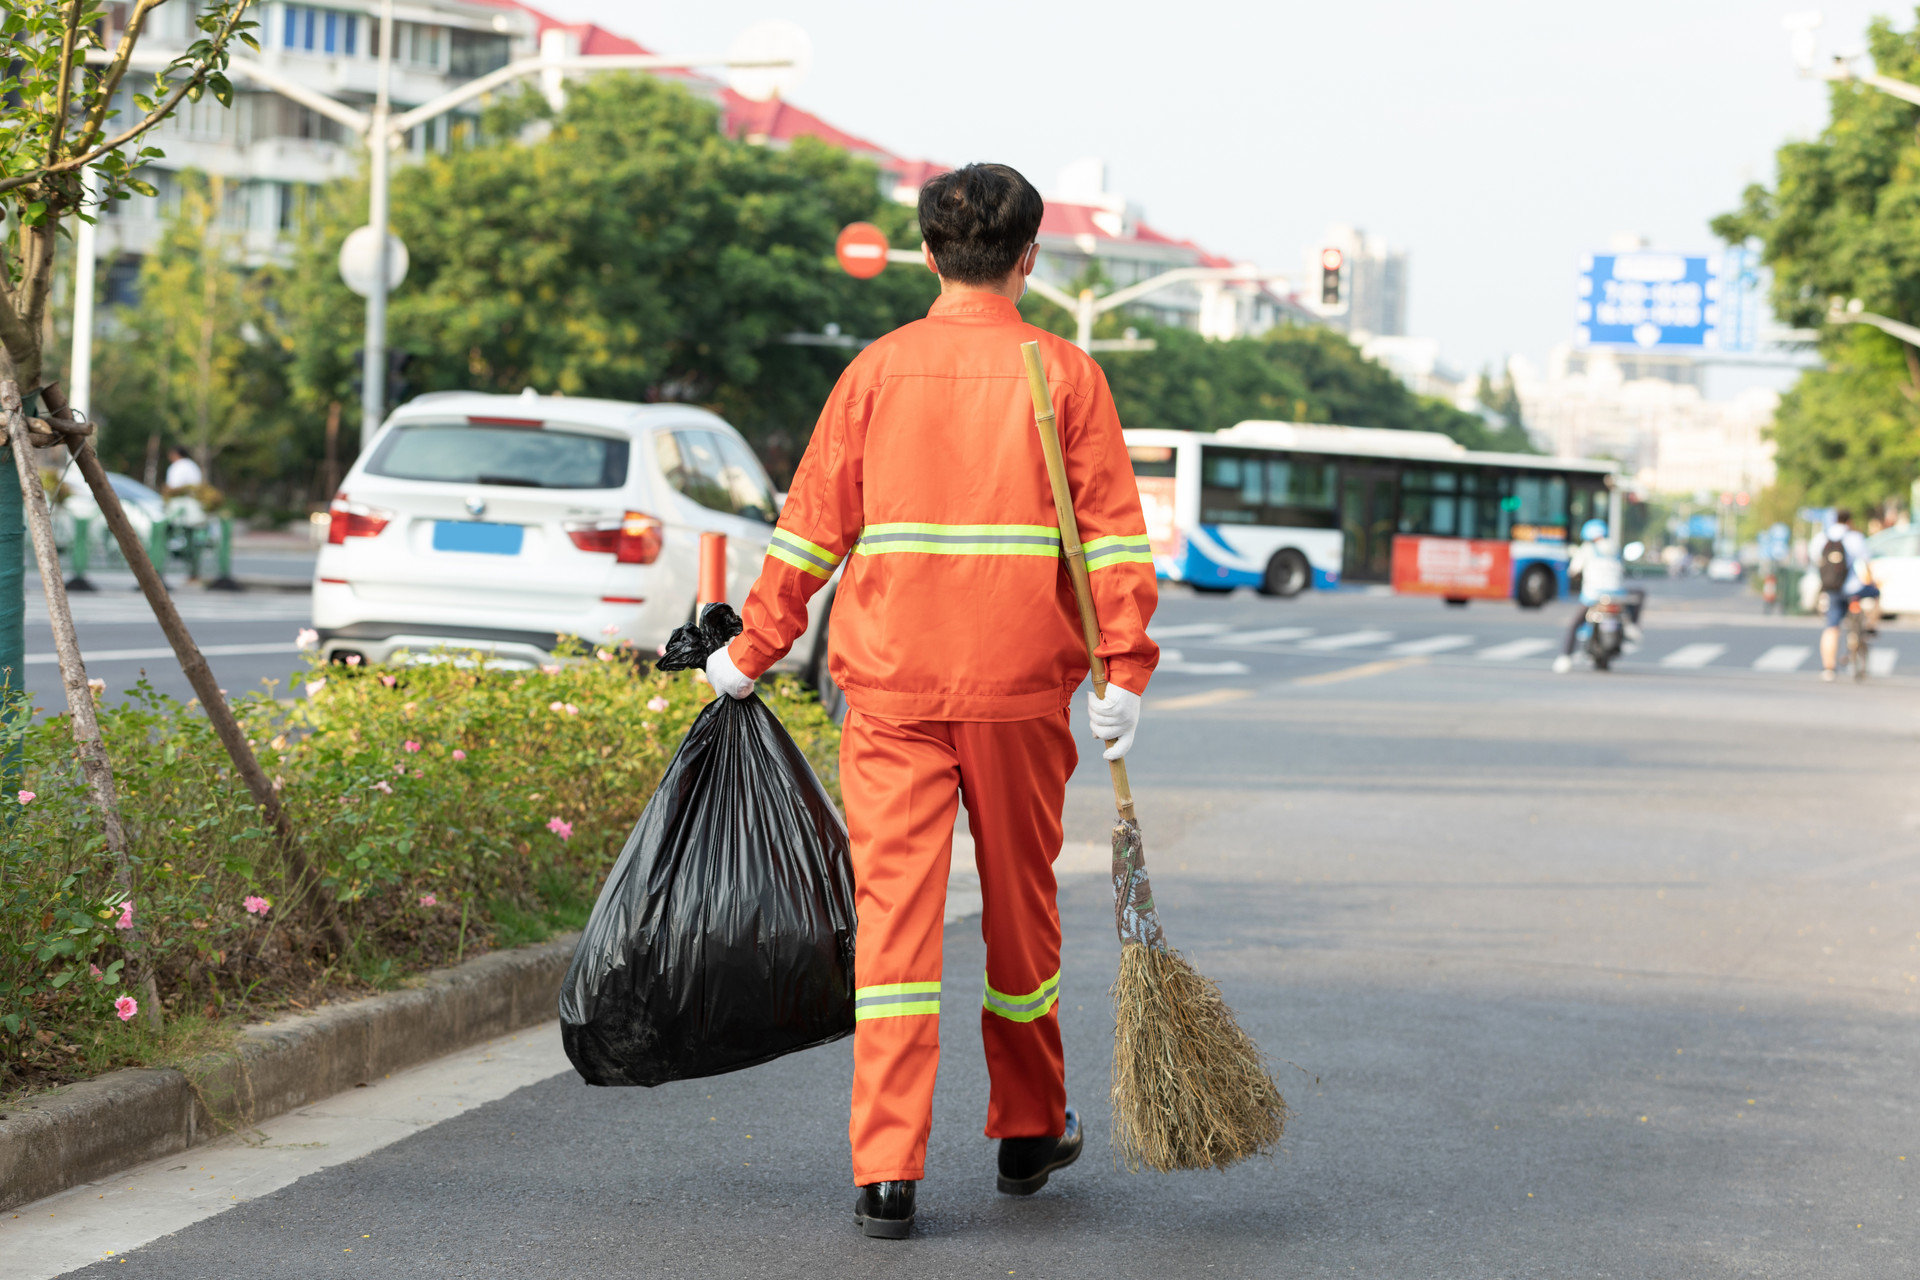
550, 669
566, 708
256, 905
611, 629
700, 677
353, 659
306, 638
657, 703
93, 971
555, 706
458, 754
126, 1007
428, 900
382, 786
605, 655
26, 797
314, 687
388, 681
411, 746
97, 686
126, 915
400, 769
561, 828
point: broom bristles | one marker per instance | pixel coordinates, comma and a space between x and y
1191, 1089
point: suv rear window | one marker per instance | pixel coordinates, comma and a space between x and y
488, 453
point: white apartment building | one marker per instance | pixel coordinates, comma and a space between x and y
1649, 411
272, 152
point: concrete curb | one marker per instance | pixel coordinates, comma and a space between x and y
89, 1130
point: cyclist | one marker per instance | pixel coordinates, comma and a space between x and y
1596, 570
1846, 575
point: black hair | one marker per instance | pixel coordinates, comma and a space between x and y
1842, 515
978, 221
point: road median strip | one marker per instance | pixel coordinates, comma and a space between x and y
81, 1132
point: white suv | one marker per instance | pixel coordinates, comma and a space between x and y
500, 523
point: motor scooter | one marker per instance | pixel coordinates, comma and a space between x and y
1603, 634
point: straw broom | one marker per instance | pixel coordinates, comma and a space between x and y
1191, 1089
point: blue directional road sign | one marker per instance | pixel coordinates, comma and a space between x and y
1648, 300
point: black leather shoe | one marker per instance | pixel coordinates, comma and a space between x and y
885, 1209
1026, 1162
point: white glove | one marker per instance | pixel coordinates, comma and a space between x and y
724, 676
1114, 719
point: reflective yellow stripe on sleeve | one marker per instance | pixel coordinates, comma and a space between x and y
1027, 1008
1126, 548
960, 540
808, 557
896, 1000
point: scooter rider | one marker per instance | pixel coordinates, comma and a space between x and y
1596, 565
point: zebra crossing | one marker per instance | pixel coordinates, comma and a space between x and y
1778, 659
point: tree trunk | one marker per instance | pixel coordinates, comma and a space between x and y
73, 676
194, 664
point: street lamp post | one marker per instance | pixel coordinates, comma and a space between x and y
373, 364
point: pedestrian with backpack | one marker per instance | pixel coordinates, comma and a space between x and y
1845, 566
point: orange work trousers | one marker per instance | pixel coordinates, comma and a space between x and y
901, 781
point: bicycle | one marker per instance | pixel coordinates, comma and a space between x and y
1855, 632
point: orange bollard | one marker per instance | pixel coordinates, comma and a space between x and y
713, 569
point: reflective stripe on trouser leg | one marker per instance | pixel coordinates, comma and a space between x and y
1014, 777
900, 783
1025, 1008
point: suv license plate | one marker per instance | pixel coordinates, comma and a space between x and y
478, 536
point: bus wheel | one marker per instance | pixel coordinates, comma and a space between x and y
1536, 587
1456, 602
1288, 574
1212, 588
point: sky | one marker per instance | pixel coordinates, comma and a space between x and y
1495, 141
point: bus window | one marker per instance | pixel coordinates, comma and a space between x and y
1230, 488
1588, 502
1301, 493
1429, 501
1151, 459
1539, 506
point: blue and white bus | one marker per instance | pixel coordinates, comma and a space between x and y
1283, 507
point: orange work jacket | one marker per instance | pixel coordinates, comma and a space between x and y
925, 475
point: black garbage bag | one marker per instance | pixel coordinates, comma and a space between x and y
724, 935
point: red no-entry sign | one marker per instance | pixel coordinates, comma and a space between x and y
862, 250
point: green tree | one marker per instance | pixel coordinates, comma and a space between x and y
200, 364
632, 251
1842, 220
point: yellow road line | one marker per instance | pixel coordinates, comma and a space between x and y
1211, 698
1362, 671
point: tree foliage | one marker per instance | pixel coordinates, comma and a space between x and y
631, 251
1295, 373
60, 119
1842, 220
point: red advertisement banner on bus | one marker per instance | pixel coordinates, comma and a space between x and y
1460, 568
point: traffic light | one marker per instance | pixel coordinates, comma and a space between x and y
1330, 260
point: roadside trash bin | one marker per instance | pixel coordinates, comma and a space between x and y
723, 937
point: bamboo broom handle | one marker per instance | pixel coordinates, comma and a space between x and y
1075, 553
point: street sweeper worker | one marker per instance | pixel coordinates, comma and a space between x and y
956, 640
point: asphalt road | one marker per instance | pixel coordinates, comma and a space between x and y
1584, 975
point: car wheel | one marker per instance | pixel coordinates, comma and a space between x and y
1288, 574
1536, 587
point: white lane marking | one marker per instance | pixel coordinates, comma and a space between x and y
1693, 655
1880, 662
1181, 667
1351, 640
1186, 630
125, 1210
146, 655
1431, 644
1783, 657
1513, 650
1271, 635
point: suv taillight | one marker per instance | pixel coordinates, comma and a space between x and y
632, 539
354, 520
